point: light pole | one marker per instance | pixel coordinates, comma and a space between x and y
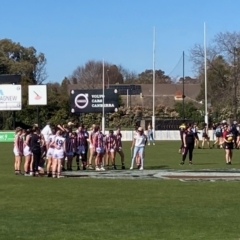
205, 77
153, 85
103, 100
183, 86
235, 51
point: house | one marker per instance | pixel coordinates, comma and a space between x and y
165, 94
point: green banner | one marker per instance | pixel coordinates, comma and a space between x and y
7, 136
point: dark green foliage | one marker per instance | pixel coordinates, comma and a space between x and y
190, 111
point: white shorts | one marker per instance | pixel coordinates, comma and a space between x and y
58, 154
81, 150
26, 151
16, 152
100, 150
111, 150
50, 152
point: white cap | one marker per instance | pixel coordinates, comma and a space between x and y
70, 124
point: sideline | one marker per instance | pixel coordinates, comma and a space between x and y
182, 175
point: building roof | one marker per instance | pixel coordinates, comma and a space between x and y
190, 90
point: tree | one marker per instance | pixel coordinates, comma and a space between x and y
16, 59
161, 77
223, 68
90, 75
114, 76
220, 86
129, 77
190, 111
189, 80
146, 77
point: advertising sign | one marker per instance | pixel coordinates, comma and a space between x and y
37, 94
10, 97
7, 136
91, 101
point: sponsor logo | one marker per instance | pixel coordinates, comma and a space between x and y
81, 100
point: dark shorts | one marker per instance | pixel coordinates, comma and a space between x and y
205, 136
228, 145
218, 135
44, 149
196, 136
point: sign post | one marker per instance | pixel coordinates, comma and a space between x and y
103, 101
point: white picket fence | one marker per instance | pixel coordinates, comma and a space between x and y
164, 135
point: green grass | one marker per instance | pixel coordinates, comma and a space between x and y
72, 208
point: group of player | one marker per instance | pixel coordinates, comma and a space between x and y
54, 148
227, 136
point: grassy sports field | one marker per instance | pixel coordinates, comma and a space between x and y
78, 208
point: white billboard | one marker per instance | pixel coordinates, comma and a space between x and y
37, 94
10, 97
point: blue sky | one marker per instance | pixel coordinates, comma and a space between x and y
70, 33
